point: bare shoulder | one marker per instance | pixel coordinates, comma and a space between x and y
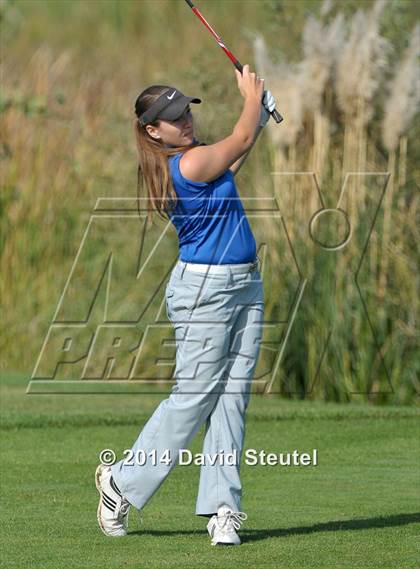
208, 162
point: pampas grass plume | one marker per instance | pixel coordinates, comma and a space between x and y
404, 99
362, 63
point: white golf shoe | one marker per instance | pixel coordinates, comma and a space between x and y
222, 528
113, 508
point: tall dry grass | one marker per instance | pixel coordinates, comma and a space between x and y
338, 89
401, 108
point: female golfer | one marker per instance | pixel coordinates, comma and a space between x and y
214, 299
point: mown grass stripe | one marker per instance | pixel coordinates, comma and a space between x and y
40, 421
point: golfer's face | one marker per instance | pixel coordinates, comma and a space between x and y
179, 132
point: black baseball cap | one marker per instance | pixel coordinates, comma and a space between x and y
169, 106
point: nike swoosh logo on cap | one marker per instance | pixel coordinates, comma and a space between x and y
171, 97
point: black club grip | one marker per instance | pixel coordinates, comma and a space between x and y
276, 116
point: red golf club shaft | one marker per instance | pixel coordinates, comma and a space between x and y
276, 116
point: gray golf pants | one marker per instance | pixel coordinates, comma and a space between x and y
217, 317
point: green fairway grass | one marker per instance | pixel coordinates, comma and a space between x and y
359, 508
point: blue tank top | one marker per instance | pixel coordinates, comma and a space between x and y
210, 220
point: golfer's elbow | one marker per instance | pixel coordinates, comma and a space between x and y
244, 136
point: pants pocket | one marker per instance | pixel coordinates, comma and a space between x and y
168, 295
189, 297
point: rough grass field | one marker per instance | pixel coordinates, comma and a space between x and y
359, 508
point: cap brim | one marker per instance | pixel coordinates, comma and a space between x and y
175, 110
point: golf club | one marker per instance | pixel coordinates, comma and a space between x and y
276, 116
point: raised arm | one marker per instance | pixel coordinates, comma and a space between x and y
207, 163
267, 107
237, 165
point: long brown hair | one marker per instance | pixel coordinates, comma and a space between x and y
153, 175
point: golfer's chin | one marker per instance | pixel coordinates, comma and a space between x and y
188, 138
182, 140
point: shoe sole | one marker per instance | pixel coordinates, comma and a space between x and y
222, 543
98, 473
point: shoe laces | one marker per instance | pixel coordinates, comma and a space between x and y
123, 510
232, 521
